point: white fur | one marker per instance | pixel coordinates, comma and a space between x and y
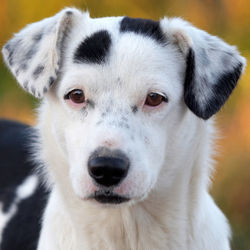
170, 149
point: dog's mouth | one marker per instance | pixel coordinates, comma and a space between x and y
107, 197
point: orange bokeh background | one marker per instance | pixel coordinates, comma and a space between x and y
228, 19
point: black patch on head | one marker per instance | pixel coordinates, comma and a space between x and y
145, 27
94, 49
69, 12
134, 109
220, 90
38, 70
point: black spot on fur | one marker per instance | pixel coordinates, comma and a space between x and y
94, 49
12, 49
119, 82
99, 122
145, 27
122, 124
134, 109
11, 46
17, 72
38, 70
204, 57
45, 90
90, 103
124, 118
7, 47
37, 37
30, 53
108, 109
25, 85
10, 57
220, 90
23, 67
103, 114
51, 80
33, 90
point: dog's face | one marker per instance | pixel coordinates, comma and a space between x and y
121, 88
119, 108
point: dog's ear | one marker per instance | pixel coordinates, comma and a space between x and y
212, 66
34, 55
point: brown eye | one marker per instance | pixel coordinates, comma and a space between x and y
76, 96
154, 99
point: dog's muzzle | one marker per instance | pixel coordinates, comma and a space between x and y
108, 168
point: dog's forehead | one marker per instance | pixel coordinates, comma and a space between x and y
94, 39
107, 52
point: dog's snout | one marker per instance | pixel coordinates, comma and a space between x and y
108, 170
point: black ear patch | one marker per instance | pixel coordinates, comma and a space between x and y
204, 97
94, 49
145, 27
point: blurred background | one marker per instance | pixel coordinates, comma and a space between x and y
228, 19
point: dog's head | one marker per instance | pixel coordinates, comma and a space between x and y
117, 92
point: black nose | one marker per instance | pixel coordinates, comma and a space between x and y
108, 170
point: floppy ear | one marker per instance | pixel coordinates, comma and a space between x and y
212, 66
34, 55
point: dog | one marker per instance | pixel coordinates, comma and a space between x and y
125, 131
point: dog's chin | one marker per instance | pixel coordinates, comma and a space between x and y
108, 198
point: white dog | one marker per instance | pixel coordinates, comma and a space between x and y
125, 129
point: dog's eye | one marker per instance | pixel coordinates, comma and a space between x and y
76, 96
154, 99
